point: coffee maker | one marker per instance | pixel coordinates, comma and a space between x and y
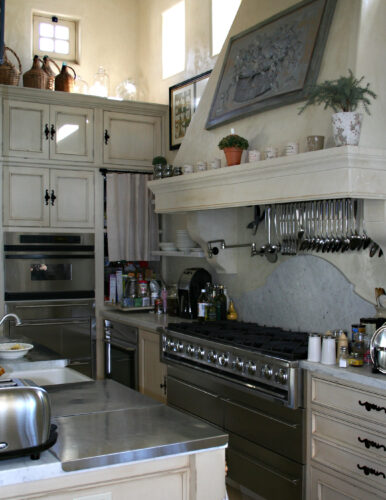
190, 284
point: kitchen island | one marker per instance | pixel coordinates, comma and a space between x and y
114, 443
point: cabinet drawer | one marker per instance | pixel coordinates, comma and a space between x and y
365, 442
356, 465
328, 487
366, 405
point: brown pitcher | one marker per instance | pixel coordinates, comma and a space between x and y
35, 77
50, 74
65, 81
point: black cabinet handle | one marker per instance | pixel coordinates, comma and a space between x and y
47, 197
53, 197
46, 131
372, 406
107, 137
370, 444
163, 386
369, 470
53, 132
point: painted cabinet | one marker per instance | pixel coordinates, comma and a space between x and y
152, 373
48, 197
131, 139
346, 440
49, 132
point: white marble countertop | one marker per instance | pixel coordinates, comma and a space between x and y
359, 375
146, 320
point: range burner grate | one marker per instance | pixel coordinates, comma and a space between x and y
272, 341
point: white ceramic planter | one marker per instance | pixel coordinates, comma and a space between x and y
346, 127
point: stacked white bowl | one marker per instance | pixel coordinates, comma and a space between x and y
183, 240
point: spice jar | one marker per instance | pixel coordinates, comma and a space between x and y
343, 357
356, 360
142, 288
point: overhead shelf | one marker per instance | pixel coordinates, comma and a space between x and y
179, 253
347, 171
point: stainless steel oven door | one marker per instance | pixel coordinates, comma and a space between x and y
59, 329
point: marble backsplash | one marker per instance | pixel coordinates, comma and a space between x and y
304, 293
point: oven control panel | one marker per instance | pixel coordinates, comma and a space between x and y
228, 360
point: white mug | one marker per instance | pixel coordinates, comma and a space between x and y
253, 155
314, 348
187, 169
201, 166
292, 148
328, 351
270, 152
216, 163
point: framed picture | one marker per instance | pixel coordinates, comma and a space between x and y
272, 63
183, 101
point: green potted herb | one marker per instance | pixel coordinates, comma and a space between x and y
158, 163
233, 146
343, 96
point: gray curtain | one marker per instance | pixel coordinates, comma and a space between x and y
132, 225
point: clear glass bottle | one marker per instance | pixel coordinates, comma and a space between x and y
343, 357
101, 84
210, 314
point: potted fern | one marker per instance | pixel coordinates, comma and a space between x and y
233, 146
343, 95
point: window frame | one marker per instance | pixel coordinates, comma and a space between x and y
211, 29
162, 44
71, 23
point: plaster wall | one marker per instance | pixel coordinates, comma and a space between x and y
109, 34
303, 292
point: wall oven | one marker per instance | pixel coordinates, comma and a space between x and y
121, 363
49, 284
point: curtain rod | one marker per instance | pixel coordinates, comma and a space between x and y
105, 171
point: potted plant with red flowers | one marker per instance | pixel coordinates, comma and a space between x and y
233, 146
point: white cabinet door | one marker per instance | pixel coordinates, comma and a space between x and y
73, 203
74, 133
152, 373
24, 197
131, 139
48, 132
26, 129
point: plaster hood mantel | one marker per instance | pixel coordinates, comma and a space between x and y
347, 171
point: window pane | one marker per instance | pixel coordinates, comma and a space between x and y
62, 32
223, 14
173, 40
46, 44
62, 47
46, 29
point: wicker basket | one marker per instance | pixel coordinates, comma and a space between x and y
35, 77
9, 74
50, 74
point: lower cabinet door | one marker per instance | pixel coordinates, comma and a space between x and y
72, 198
151, 372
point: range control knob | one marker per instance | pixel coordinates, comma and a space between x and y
180, 346
251, 367
266, 371
212, 356
223, 359
281, 376
239, 364
190, 350
200, 352
170, 344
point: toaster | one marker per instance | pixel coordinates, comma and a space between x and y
25, 419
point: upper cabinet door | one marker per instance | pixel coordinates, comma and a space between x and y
26, 129
131, 139
72, 198
73, 134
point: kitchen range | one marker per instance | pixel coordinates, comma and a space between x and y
246, 379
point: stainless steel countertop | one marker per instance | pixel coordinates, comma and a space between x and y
104, 423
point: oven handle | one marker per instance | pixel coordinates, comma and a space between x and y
283, 422
54, 323
122, 347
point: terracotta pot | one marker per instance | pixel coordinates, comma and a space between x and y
233, 156
346, 128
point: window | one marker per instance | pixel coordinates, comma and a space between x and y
55, 37
223, 14
173, 40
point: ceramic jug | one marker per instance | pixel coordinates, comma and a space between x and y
50, 84
65, 81
35, 77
